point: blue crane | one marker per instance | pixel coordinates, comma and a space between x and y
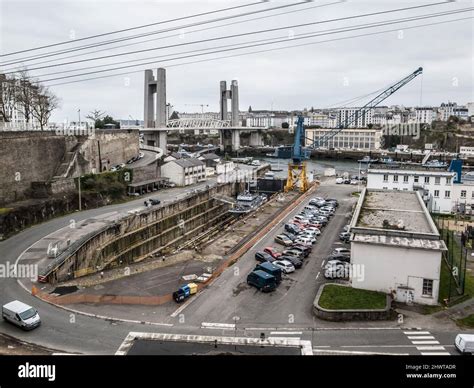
297, 169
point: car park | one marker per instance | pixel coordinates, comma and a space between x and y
283, 240
297, 263
263, 256
285, 266
272, 252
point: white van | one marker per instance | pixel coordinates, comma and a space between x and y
21, 315
465, 343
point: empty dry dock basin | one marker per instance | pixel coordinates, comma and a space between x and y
134, 237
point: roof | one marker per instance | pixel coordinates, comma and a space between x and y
396, 218
262, 274
188, 162
210, 156
409, 169
16, 306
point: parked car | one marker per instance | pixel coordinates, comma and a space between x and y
346, 251
340, 257
465, 343
272, 252
283, 240
293, 252
344, 236
316, 231
297, 263
339, 181
291, 236
270, 269
306, 240
262, 280
263, 256
152, 201
292, 228
285, 266
21, 315
304, 249
301, 219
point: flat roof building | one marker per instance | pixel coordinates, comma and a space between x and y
395, 246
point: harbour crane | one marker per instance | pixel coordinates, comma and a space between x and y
300, 153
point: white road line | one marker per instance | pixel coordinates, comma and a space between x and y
317, 276
435, 354
430, 348
213, 325
356, 352
286, 332
421, 337
416, 332
425, 342
322, 264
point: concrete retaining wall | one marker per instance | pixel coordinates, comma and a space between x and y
135, 237
351, 315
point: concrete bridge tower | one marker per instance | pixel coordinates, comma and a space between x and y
233, 96
155, 107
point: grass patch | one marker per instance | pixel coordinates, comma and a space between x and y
337, 297
5, 210
466, 322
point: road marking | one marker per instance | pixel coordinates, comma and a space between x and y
213, 325
317, 276
425, 342
421, 337
430, 348
436, 354
286, 332
181, 308
416, 332
322, 264
357, 352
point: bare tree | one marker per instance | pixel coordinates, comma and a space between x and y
95, 115
43, 103
25, 93
7, 97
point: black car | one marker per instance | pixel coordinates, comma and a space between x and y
297, 263
291, 236
340, 257
152, 201
292, 228
263, 257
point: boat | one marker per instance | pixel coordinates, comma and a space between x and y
247, 202
367, 159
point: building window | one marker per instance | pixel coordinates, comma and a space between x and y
395, 178
436, 193
385, 188
472, 194
463, 193
416, 178
427, 287
427, 179
385, 178
447, 194
448, 181
437, 180
405, 179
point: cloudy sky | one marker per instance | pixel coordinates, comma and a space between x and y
319, 71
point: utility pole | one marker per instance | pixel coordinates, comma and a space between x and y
79, 112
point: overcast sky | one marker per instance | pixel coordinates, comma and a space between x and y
318, 75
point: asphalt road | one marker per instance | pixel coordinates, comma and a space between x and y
228, 307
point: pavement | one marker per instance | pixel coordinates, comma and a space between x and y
228, 307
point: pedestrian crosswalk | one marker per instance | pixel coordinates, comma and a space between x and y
426, 343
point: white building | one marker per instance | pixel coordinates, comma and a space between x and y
436, 186
362, 120
425, 115
363, 139
395, 247
184, 172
